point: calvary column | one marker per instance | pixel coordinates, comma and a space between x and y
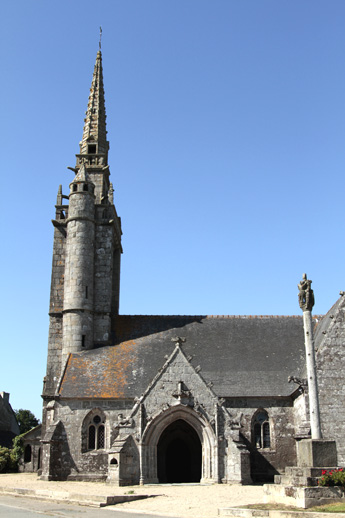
306, 302
313, 452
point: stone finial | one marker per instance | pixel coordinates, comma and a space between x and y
59, 196
178, 340
306, 295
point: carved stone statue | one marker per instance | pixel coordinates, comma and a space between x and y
124, 422
306, 294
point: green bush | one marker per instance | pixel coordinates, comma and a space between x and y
9, 458
17, 449
5, 459
335, 477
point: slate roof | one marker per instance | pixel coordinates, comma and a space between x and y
323, 323
241, 356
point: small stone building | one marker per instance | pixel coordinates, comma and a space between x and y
9, 428
144, 399
31, 458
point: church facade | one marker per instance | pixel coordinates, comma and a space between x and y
136, 399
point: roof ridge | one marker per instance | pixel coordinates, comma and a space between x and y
219, 316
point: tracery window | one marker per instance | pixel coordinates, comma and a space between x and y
96, 434
261, 430
93, 431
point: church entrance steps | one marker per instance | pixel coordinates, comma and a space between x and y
66, 496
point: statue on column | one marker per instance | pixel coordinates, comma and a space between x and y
306, 295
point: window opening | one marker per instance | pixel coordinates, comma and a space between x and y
92, 437
86, 187
27, 453
86, 292
91, 149
261, 430
96, 434
83, 340
100, 437
75, 187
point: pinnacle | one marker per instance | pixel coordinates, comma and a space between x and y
82, 175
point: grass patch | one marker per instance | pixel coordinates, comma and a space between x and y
338, 507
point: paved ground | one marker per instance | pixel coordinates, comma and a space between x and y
167, 500
21, 507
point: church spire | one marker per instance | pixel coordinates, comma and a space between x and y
94, 145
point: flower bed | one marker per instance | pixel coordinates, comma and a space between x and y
334, 477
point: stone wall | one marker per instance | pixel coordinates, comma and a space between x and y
330, 360
266, 462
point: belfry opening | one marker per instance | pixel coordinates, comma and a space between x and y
179, 454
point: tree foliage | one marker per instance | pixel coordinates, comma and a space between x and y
26, 420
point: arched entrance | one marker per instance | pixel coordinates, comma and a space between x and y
179, 454
167, 434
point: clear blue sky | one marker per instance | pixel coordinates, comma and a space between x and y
226, 122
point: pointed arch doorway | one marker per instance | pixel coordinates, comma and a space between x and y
179, 454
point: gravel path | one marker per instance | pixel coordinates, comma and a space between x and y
189, 500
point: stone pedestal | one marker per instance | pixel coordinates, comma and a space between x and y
299, 485
316, 453
303, 497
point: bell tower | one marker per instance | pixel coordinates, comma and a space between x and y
87, 247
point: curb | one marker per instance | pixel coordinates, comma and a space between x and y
76, 498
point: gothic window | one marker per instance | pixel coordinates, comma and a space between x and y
93, 433
261, 430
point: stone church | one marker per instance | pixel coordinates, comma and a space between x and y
136, 399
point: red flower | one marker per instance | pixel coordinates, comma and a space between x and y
323, 472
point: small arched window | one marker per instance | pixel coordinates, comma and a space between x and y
261, 430
27, 453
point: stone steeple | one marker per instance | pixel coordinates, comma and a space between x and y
94, 145
85, 283
95, 121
